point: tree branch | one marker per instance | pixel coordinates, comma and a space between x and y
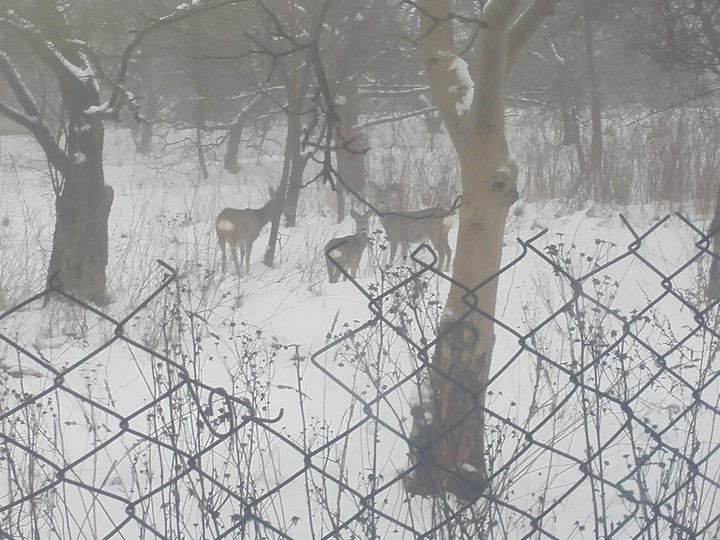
499, 13
19, 89
437, 49
491, 68
524, 26
42, 134
176, 16
31, 119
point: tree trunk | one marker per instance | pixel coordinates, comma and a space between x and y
199, 128
451, 456
142, 129
596, 143
298, 163
713, 290
447, 440
73, 147
292, 143
80, 243
233, 144
144, 144
351, 150
295, 162
199, 147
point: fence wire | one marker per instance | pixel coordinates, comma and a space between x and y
618, 437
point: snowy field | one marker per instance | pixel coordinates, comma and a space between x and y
111, 422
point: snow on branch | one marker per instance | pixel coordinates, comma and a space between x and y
99, 110
22, 93
82, 73
464, 87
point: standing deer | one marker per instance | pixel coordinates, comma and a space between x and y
428, 224
242, 226
346, 251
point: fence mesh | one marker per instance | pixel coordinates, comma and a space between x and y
611, 432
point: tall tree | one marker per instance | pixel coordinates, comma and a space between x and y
72, 141
448, 440
63, 109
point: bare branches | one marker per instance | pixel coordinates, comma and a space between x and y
524, 26
176, 16
499, 14
437, 49
30, 120
21, 92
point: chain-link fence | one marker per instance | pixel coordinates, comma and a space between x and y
600, 418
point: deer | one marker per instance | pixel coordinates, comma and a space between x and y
242, 226
405, 228
346, 251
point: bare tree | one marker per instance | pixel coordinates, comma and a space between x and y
42, 30
66, 117
449, 444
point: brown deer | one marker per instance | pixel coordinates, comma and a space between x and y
346, 251
428, 224
242, 226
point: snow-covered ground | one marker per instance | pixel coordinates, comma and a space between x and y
109, 416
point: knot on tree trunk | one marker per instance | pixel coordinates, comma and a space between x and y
447, 441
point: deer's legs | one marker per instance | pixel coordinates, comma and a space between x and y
246, 255
233, 249
222, 252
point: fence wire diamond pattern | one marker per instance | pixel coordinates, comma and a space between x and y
613, 435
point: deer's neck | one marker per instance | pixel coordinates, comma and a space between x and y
266, 212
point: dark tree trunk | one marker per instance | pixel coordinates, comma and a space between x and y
298, 162
596, 143
202, 164
79, 256
351, 151
80, 243
142, 129
233, 143
295, 162
713, 290
144, 144
292, 144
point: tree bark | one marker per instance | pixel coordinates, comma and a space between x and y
80, 242
713, 290
292, 142
298, 163
142, 128
447, 439
233, 144
596, 142
350, 153
79, 257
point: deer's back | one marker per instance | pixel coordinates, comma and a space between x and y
240, 224
417, 225
346, 246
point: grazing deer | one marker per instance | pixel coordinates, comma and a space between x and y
429, 224
242, 226
346, 251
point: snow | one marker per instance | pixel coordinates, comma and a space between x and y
464, 87
273, 337
98, 109
82, 73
